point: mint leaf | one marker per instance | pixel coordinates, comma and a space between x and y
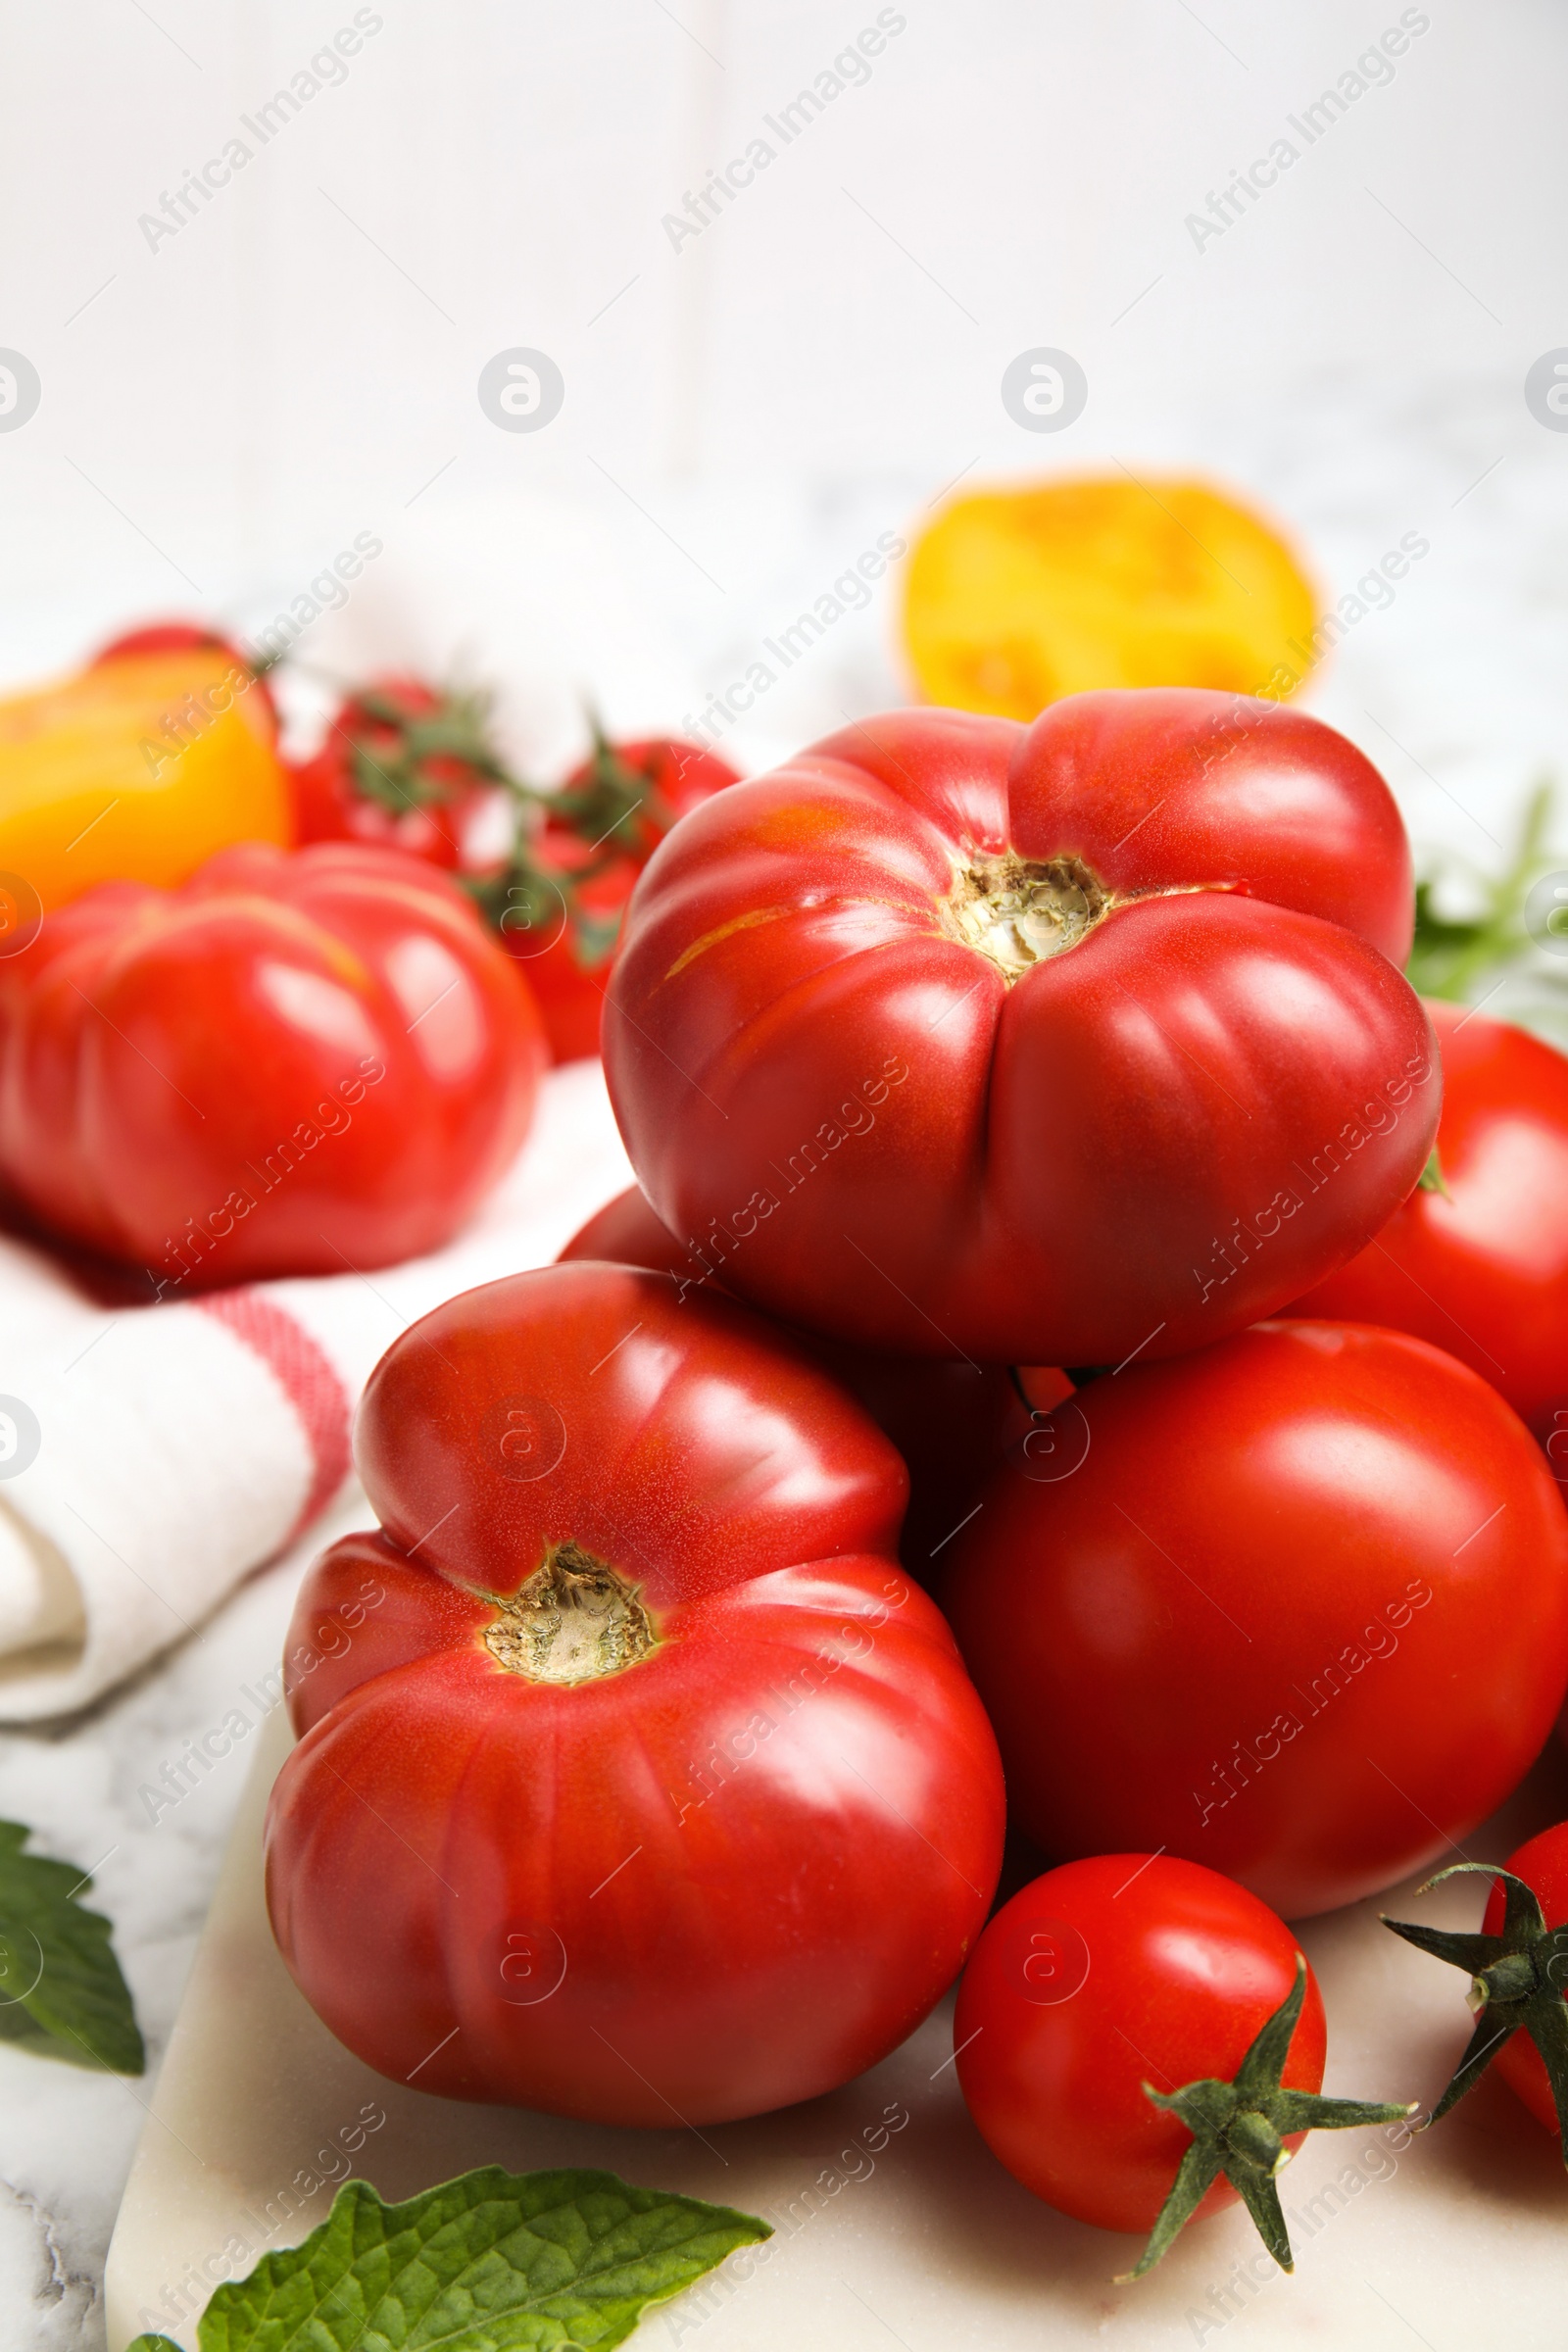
62, 1994
491, 2262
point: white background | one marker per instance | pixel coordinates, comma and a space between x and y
298, 362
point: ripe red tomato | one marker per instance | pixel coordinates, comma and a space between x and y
405, 764
293, 1064
951, 1421
1102, 1976
186, 636
1295, 1607
1542, 1864
1483, 1271
612, 814
644, 1786
1037, 1045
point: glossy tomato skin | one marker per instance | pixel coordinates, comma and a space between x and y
1483, 1272
1127, 1146
569, 980
1102, 1975
724, 1878
1295, 1607
951, 1421
292, 1063
1542, 1864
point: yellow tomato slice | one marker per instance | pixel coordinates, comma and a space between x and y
1015, 598
136, 771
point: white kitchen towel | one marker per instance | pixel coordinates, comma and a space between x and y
151, 1457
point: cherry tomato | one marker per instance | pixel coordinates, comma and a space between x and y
612, 813
642, 1786
1543, 1863
1101, 1976
405, 764
1481, 1266
1296, 1606
187, 637
952, 1422
293, 1064
1046, 1045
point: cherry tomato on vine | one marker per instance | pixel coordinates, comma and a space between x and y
600, 830
405, 764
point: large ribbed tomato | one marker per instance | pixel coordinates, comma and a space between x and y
1039, 1045
647, 1788
293, 1064
953, 1421
1295, 1607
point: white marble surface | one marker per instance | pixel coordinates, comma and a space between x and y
67, 2134
891, 2218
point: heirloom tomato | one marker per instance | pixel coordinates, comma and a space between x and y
648, 1788
1478, 1262
1017, 596
295, 1065
137, 769
1296, 1606
1139, 2040
951, 1421
1046, 1045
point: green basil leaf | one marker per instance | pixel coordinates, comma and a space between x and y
62, 1994
491, 2262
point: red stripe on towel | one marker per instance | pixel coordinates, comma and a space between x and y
307, 1379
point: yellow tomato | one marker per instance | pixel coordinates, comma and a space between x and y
1013, 598
136, 770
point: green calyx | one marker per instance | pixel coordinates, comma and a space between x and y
398, 777
605, 807
1240, 2129
615, 812
1431, 1178
1516, 1979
